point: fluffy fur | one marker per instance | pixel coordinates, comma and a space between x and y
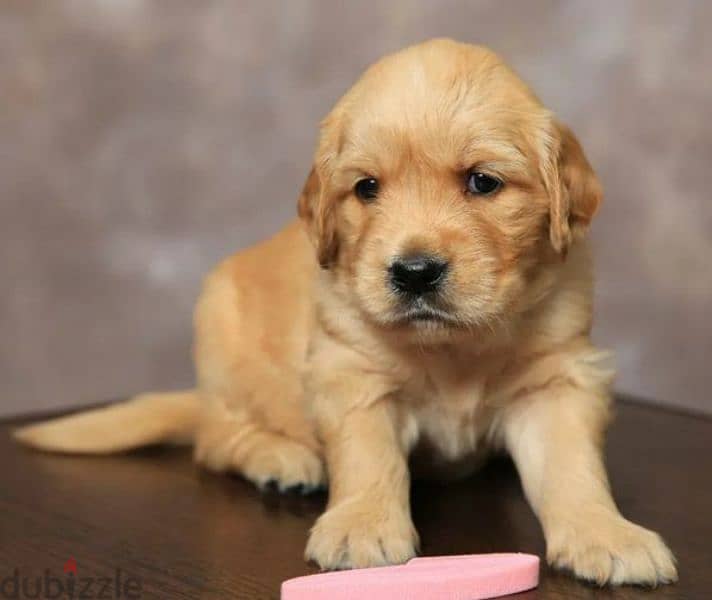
307, 363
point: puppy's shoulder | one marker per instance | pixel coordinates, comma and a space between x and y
266, 288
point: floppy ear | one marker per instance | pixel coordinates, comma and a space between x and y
574, 190
318, 214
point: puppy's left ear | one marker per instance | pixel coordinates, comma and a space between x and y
317, 213
573, 187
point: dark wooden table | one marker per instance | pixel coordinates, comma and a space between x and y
178, 532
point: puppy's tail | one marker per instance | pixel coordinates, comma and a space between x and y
145, 419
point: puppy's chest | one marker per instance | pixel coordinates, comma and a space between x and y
448, 411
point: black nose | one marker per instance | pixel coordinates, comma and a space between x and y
417, 274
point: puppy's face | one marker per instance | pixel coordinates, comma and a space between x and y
440, 188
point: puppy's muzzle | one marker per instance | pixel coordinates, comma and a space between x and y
417, 275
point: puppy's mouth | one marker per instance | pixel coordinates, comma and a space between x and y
420, 311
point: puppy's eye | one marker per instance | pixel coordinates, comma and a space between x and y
366, 189
482, 185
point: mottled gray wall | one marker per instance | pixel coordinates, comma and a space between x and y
142, 141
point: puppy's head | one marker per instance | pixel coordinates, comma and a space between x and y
440, 188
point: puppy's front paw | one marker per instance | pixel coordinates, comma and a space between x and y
359, 533
611, 551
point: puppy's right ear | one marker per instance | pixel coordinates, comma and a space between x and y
318, 215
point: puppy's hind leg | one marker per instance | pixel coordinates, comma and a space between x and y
234, 439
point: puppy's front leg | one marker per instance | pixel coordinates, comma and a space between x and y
555, 437
367, 522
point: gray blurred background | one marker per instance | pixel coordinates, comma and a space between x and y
142, 141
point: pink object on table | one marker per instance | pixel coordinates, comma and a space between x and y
469, 577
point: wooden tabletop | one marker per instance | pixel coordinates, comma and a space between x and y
154, 521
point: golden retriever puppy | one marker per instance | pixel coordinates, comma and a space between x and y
433, 303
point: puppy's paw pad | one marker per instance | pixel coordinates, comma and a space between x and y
361, 534
614, 552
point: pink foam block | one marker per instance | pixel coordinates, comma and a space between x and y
470, 577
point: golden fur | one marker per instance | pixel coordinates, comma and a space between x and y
306, 366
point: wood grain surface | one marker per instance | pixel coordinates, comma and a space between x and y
185, 533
